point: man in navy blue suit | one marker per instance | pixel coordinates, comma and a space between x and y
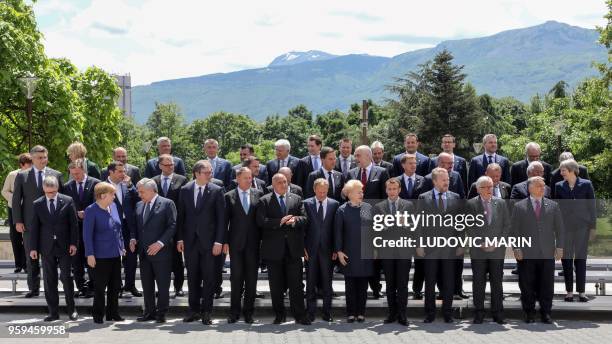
445, 161
411, 143
164, 146
478, 164
309, 163
282, 148
518, 170
459, 163
222, 169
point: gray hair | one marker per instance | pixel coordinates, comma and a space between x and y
364, 148
535, 179
320, 181
533, 145
377, 144
571, 165
163, 139
565, 156
38, 149
494, 166
285, 171
51, 182
482, 180
282, 143
147, 184
488, 137
532, 166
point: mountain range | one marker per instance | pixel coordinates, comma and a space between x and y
518, 63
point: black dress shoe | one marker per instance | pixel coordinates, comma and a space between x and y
360, 318
218, 295
192, 317
52, 317
160, 318
463, 295
232, 319
305, 321
390, 319
478, 319
310, 317
546, 319
449, 320
17, 270
403, 321
98, 320
73, 315
259, 296
179, 293
529, 318
327, 317
279, 319
32, 294
500, 321
583, 298
206, 319
89, 294
350, 319
146, 317
568, 299
116, 317
248, 319
135, 292
417, 295
429, 319
515, 272
376, 294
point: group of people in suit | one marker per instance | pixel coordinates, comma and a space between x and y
289, 215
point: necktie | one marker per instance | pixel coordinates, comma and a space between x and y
81, 193
497, 192
253, 184
40, 180
315, 163
537, 209
490, 159
330, 180
344, 165
393, 209
280, 164
245, 202
145, 212
364, 178
410, 187
282, 204
320, 211
487, 208
165, 186
51, 206
440, 201
199, 199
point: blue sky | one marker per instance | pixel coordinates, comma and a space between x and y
163, 39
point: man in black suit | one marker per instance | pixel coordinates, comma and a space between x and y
320, 211
521, 190
411, 183
252, 163
538, 219
242, 243
246, 151
169, 185
153, 240
439, 261
556, 177
81, 189
488, 260
28, 188
201, 231
222, 169
311, 162
500, 189
120, 154
518, 170
459, 163
293, 188
478, 164
55, 234
335, 179
280, 215
282, 148
378, 153
373, 179
445, 161
164, 146
126, 198
411, 144
346, 161
396, 262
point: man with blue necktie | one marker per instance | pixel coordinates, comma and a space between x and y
309, 163
478, 164
222, 169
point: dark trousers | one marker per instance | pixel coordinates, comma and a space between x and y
397, 272
319, 275
356, 295
419, 275
50, 264
494, 268
79, 263
374, 280
441, 271
574, 255
458, 282
107, 278
219, 264
155, 273
178, 269
243, 279
130, 262
538, 276
17, 243
286, 272
32, 265
200, 278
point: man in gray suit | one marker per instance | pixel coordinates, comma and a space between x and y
155, 229
28, 188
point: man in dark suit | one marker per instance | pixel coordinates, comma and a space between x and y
28, 188
411, 144
164, 146
311, 162
521, 190
169, 185
126, 198
201, 231
222, 169
500, 189
396, 263
378, 153
242, 243
81, 189
252, 163
153, 240
445, 161
335, 179
439, 261
280, 215
55, 234
556, 177
120, 154
538, 219
293, 188
320, 211
459, 163
478, 164
488, 260
518, 170
246, 151
282, 148
346, 161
